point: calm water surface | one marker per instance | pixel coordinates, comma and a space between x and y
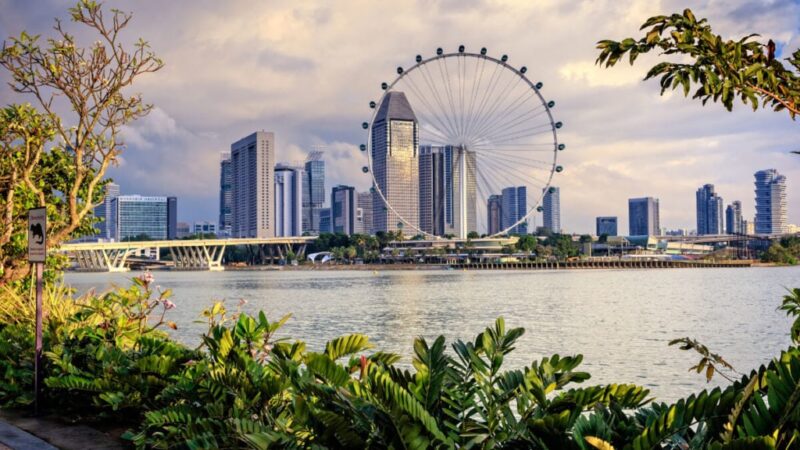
620, 320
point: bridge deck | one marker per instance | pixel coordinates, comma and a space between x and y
183, 243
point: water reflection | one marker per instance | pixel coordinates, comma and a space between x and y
620, 320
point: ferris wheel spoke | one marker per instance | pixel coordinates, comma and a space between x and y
494, 105
511, 126
415, 89
475, 90
449, 91
514, 158
524, 135
510, 168
485, 98
432, 86
516, 105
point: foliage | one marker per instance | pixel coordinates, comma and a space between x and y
777, 253
45, 160
107, 359
714, 68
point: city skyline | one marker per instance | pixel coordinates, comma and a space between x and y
304, 95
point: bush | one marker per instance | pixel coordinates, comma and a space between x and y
246, 388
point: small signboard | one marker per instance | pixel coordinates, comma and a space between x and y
37, 235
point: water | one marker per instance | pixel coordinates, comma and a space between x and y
620, 320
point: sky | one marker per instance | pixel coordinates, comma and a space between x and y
307, 70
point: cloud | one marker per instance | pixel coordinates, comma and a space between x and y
307, 70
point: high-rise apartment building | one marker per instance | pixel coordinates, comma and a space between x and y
395, 165
733, 218
443, 190
313, 191
325, 220
494, 210
288, 200
551, 212
771, 214
606, 225
204, 228
709, 211
252, 163
514, 207
643, 217
103, 212
137, 216
225, 194
343, 209
364, 213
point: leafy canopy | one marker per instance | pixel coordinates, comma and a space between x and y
718, 69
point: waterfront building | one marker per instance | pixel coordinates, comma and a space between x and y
343, 209
395, 155
325, 220
551, 212
204, 228
313, 191
252, 166
364, 213
643, 217
137, 216
749, 227
103, 212
225, 194
771, 214
183, 229
709, 211
514, 207
733, 218
288, 200
606, 225
440, 190
494, 209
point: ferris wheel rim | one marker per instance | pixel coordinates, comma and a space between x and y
421, 62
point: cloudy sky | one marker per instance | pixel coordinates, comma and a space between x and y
307, 70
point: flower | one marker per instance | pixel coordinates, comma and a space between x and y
168, 304
242, 302
146, 278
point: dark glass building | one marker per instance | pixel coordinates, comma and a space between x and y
643, 217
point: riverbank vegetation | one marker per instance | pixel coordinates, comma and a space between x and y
109, 359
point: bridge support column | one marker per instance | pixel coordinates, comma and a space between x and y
102, 260
198, 257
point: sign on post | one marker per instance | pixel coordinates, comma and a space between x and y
37, 254
37, 236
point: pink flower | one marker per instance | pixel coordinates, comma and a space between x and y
168, 304
146, 278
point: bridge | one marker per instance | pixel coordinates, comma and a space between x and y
186, 254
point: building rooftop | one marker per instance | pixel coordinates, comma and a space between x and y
395, 106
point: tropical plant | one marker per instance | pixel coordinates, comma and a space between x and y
61, 164
711, 67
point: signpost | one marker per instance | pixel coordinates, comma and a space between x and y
37, 253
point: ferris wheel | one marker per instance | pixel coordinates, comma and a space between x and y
460, 142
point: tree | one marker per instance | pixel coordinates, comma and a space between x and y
717, 69
88, 82
527, 243
473, 235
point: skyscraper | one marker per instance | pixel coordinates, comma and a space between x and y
225, 194
364, 213
343, 209
551, 212
440, 190
733, 218
137, 216
288, 200
514, 208
709, 211
325, 220
103, 212
172, 217
606, 225
313, 191
771, 214
252, 162
395, 148
494, 209
643, 217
